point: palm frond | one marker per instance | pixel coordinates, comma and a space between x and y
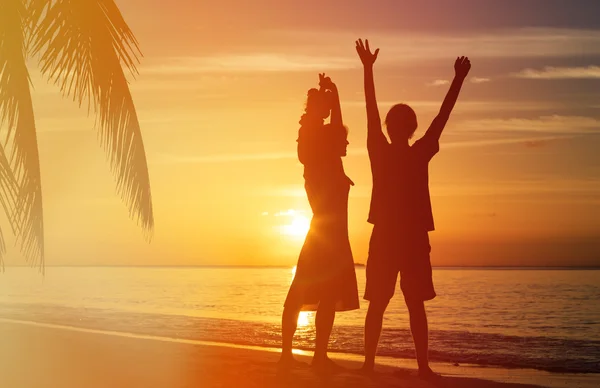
8, 195
16, 112
83, 45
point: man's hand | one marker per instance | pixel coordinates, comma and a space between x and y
462, 67
364, 52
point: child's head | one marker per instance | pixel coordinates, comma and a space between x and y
317, 104
401, 122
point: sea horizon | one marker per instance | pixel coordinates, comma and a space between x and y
491, 267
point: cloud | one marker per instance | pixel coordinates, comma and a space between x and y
571, 125
221, 158
479, 80
442, 82
352, 152
406, 47
505, 141
439, 82
318, 50
484, 215
256, 62
558, 187
587, 72
537, 143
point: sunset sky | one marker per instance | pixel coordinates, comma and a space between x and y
220, 92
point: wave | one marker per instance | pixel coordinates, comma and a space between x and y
457, 347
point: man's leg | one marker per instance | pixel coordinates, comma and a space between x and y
373, 325
420, 331
417, 286
382, 277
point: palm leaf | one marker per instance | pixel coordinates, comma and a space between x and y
82, 46
16, 113
8, 193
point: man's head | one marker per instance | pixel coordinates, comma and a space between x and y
401, 122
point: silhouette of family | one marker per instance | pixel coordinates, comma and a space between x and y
400, 211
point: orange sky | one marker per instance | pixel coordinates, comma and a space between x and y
221, 90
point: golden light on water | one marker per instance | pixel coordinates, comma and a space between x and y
304, 317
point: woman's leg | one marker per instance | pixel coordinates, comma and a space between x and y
324, 324
289, 322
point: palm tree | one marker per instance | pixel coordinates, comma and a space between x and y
82, 46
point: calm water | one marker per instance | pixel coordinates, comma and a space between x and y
544, 319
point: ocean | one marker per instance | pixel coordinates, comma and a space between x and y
546, 319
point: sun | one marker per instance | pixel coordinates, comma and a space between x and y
296, 224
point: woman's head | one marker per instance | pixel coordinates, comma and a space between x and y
336, 140
401, 122
322, 144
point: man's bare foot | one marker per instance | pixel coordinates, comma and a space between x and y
367, 370
428, 374
289, 362
326, 365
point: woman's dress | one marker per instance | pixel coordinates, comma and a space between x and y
325, 270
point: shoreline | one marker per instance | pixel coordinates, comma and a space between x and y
498, 377
183, 331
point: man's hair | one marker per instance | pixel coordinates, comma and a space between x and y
400, 115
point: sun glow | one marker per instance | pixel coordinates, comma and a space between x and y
296, 223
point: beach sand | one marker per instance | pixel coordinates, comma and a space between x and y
50, 356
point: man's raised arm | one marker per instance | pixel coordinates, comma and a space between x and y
374, 132
461, 69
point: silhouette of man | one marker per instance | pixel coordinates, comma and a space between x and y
401, 211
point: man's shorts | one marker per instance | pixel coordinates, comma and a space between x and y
392, 252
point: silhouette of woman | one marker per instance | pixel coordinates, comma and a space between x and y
325, 279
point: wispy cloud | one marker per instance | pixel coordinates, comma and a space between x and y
504, 141
470, 105
442, 82
257, 62
587, 72
555, 124
479, 80
220, 158
558, 187
353, 152
438, 82
315, 50
500, 43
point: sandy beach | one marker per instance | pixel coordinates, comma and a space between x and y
49, 356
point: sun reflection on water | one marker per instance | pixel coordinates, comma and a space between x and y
305, 317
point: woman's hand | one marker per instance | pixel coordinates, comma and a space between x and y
325, 83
